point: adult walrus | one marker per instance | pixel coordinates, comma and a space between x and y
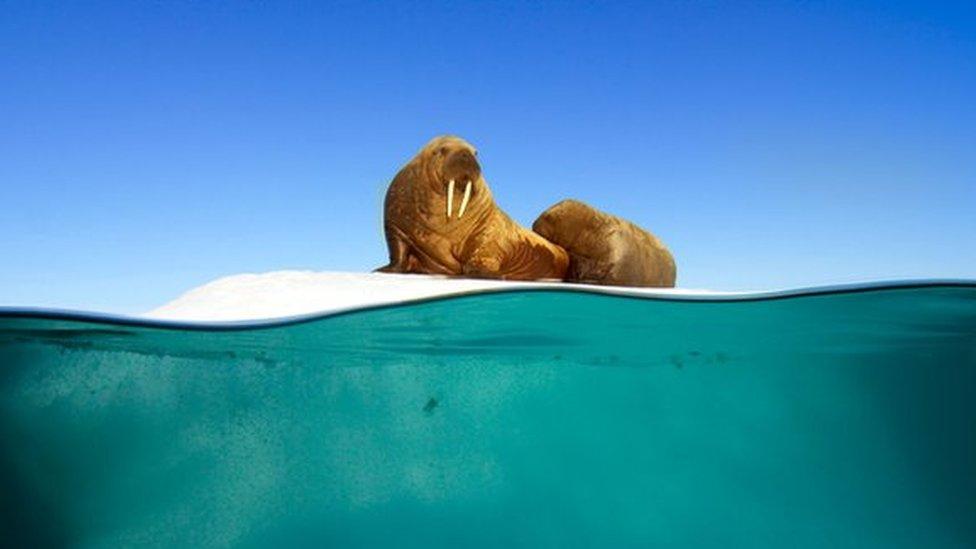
605, 249
440, 218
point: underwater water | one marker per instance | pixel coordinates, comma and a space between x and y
527, 418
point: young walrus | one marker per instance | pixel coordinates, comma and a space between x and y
440, 218
605, 249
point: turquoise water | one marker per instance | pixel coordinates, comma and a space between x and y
527, 418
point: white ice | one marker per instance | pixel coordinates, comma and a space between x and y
290, 293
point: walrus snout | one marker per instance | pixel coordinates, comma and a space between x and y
544, 226
462, 166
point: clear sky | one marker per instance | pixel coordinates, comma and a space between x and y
148, 147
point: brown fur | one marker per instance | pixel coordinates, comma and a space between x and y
605, 249
484, 243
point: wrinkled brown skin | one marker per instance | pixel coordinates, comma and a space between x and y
605, 249
485, 243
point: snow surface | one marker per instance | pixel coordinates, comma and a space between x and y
291, 293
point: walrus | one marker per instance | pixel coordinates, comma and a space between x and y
440, 218
605, 249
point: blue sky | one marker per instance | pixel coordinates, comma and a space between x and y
146, 148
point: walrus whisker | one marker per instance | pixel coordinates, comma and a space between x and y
464, 201
450, 198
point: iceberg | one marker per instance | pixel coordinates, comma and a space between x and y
290, 293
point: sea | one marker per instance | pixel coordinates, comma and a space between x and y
831, 417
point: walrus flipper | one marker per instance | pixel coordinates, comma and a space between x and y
399, 251
402, 257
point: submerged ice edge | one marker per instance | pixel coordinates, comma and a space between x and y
666, 295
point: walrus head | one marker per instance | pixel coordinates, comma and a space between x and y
450, 166
566, 222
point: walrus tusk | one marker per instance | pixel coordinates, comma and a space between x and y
464, 201
450, 198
